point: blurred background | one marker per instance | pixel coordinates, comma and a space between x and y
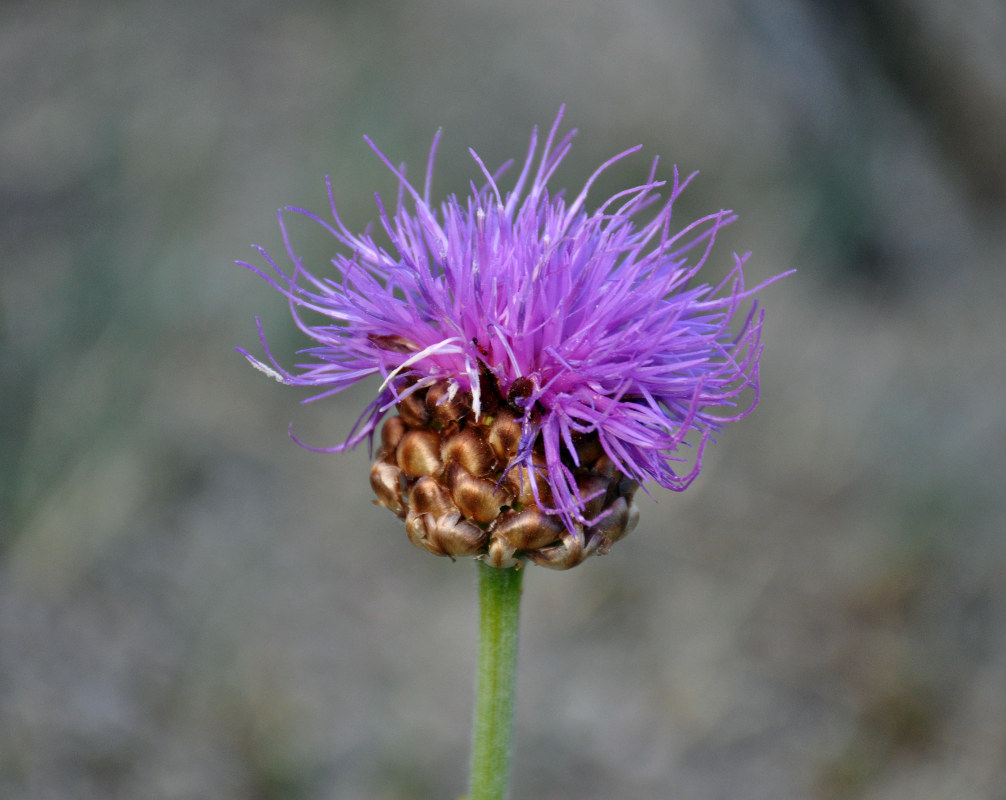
193, 606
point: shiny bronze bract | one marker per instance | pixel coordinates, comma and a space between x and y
451, 477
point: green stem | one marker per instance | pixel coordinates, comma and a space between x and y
492, 737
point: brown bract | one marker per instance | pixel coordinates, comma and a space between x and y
451, 477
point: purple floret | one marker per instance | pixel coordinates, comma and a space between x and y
592, 322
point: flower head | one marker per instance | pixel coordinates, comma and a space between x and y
583, 336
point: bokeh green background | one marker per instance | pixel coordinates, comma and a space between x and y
192, 606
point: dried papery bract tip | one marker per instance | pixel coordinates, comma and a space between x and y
541, 359
446, 535
504, 435
386, 481
428, 496
570, 552
469, 449
477, 499
622, 517
413, 410
522, 534
529, 529
392, 431
593, 490
418, 453
446, 405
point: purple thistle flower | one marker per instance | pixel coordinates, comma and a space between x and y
583, 323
